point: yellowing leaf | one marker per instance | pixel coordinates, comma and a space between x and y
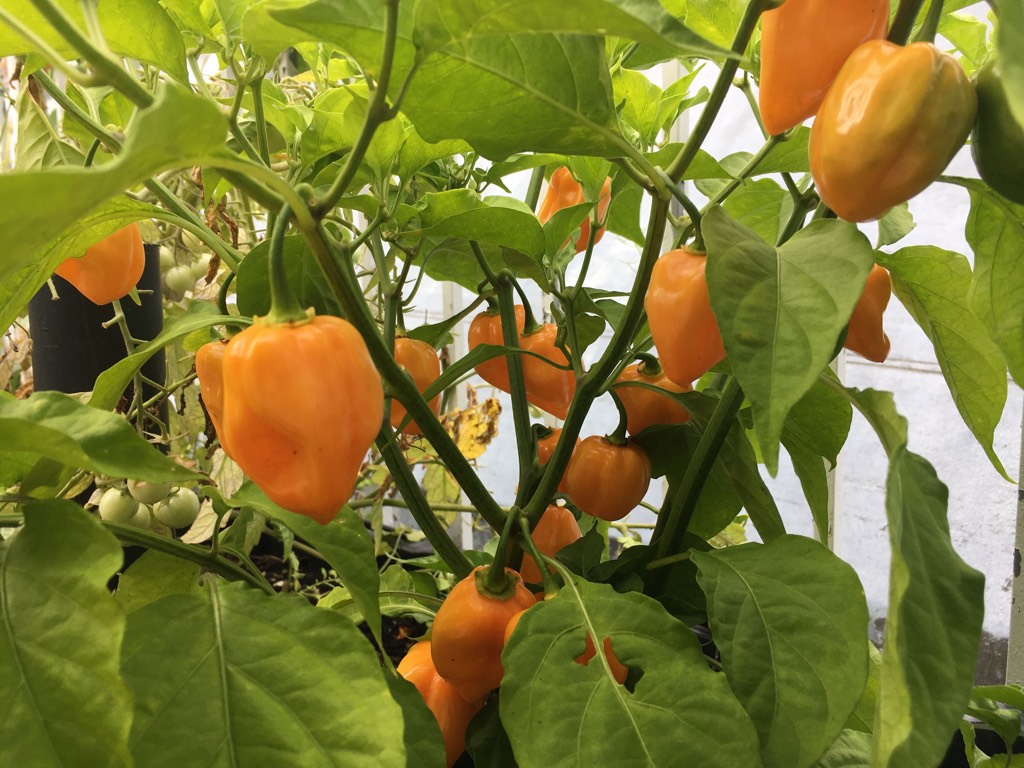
474, 428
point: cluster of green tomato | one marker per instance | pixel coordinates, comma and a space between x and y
138, 502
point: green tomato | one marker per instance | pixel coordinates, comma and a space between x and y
201, 266
117, 505
192, 242
148, 493
997, 141
180, 278
141, 518
179, 510
166, 258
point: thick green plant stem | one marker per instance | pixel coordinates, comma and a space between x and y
284, 304
420, 510
591, 383
342, 280
745, 172
204, 558
496, 580
377, 112
668, 535
551, 587
707, 117
106, 68
930, 27
903, 23
533, 191
520, 407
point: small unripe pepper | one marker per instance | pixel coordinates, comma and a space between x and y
865, 334
997, 142
645, 408
469, 632
889, 125
563, 192
683, 327
110, 268
803, 45
606, 479
451, 711
421, 361
557, 528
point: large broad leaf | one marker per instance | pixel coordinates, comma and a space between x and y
344, 543
271, 680
558, 712
936, 606
136, 29
439, 23
790, 619
155, 575
851, 749
995, 231
781, 311
814, 433
336, 119
481, 90
304, 276
424, 747
180, 129
497, 220
933, 285
717, 20
740, 462
516, 93
60, 428
64, 702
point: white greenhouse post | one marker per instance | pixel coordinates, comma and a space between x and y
1015, 645
452, 299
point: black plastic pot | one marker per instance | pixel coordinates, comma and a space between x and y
70, 346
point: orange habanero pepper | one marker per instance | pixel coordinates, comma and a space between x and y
210, 370
110, 268
563, 192
803, 46
303, 402
608, 480
546, 446
556, 528
486, 329
547, 387
451, 711
469, 633
889, 125
421, 361
683, 327
645, 408
865, 334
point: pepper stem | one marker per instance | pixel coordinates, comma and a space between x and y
493, 580
650, 366
284, 304
618, 437
551, 586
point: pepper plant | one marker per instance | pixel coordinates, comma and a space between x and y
328, 158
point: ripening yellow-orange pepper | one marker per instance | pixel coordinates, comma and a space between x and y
301, 404
890, 124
